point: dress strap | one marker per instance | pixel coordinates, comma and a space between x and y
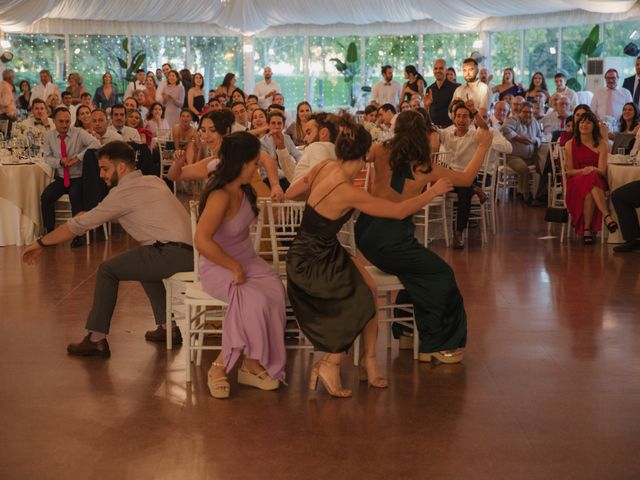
328, 193
317, 173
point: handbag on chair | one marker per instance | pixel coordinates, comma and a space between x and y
556, 215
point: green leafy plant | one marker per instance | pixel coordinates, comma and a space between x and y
128, 70
591, 47
349, 68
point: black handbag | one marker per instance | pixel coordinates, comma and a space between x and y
556, 215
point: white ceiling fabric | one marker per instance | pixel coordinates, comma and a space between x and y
255, 16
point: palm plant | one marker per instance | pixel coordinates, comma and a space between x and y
349, 68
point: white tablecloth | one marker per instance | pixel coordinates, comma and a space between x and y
20, 189
619, 175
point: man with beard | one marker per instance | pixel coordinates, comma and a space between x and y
439, 95
148, 211
320, 132
266, 89
474, 93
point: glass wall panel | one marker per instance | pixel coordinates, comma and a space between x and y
389, 50
506, 53
327, 86
93, 55
454, 48
202, 58
572, 39
541, 55
32, 53
285, 56
228, 58
160, 50
616, 36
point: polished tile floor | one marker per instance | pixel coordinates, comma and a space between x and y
549, 389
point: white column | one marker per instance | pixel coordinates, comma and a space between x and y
485, 50
363, 60
522, 53
187, 53
420, 65
559, 49
67, 55
305, 68
248, 63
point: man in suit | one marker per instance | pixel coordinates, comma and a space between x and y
633, 82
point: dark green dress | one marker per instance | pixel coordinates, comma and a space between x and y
429, 281
329, 297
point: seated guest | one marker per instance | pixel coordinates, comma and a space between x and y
296, 129
515, 106
231, 270
53, 101
415, 102
385, 115
130, 103
106, 95
83, 118
625, 200
140, 98
183, 133
561, 87
239, 111
279, 145
500, 114
628, 126
370, 116
150, 91
134, 120
39, 118
278, 99
118, 125
45, 88
508, 85
155, 119
321, 131
404, 106
586, 166
525, 136
460, 139
538, 110
259, 125
148, 211
100, 127
609, 101
64, 148
252, 99
537, 85
567, 133
238, 95
556, 119
67, 102
85, 99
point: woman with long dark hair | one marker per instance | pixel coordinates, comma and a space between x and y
25, 98
296, 130
403, 170
414, 85
630, 119
106, 95
227, 86
230, 270
586, 161
508, 85
195, 96
538, 85
330, 298
83, 117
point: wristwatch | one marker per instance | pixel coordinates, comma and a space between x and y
41, 243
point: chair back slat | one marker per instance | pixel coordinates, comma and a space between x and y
284, 221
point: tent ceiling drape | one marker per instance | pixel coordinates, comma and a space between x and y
255, 16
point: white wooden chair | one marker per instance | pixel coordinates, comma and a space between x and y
63, 213
166, 160
423, 218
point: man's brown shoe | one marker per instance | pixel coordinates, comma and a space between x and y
87, 348
160, 335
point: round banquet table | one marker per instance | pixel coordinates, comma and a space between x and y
619, 175
20, 189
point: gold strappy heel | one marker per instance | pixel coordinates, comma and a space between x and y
337, 392
218, 387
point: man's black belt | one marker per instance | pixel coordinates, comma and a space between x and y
186, 246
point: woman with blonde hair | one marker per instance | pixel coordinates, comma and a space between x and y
296, 129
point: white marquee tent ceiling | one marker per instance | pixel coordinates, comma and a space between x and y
254, 16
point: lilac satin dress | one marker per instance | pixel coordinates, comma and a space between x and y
255, 320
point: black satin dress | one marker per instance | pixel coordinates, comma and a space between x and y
329, 297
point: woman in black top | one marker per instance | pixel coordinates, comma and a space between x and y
25, 98
414, 85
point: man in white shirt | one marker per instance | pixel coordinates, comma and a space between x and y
45, 88
39, 118
100, 127
320, 133
67, 102
118, 119
500, 114
386, 90
137, 84
280, 146
474, 89
460, 139
239, 111
266, 89
556, 119
609, 101
166, 68
561, 87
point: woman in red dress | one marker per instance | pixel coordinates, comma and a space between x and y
586, 159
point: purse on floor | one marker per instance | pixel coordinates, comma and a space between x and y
556, 215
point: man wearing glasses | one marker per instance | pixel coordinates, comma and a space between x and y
609, 101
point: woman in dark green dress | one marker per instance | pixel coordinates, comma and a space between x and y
403, 169
329, 296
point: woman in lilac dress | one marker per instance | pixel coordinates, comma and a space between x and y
230, 270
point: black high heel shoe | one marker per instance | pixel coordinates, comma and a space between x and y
612, 226
587, 239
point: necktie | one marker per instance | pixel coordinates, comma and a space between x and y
562, 124
66, 179
609, 111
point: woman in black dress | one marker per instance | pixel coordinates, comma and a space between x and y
414, 85
329, 296
195, 96
25, 98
